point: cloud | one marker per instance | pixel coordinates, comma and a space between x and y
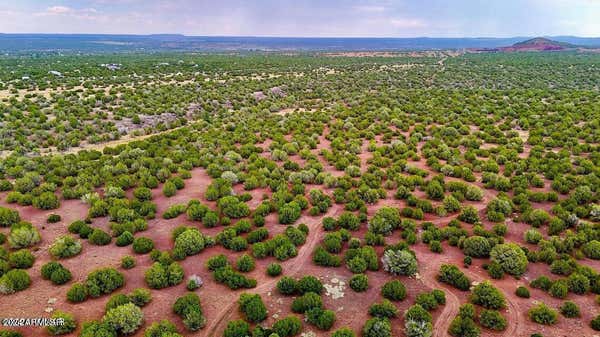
370, 9
68, 12
59, 10
407, 23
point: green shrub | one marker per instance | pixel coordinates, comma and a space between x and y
463, 327
309, 284
76, 226
163, 328
64, 247
289, 213
103, 281
116, 300
53, 218
562, 267
439, 295
274, 269
23, 235
467, 310
384, 309
253, 308
495, 270
306, 302
377, 327
570, 310
417, 313
21, 259
427, 301
343, 332
125, 239
542, 282
399, 262
592, 249
359, 282
140, 297
124, 319
127, 262
46, 200
287, 285
99, 237
142, 245
322, 257
595, 323
533, 236
450, 274
77, 293
160, 276
322, 319
188, 307
537, 217
169, 189
56, 273
510, 257
48, 268
97, 329
542, 314
142, 193
394, 290
174, 211
486, 295
69, 324
578, 283
559, 289
522, 292
357, 265
14, 280
237, 328
476, 246
233, 279
216, 262
288, 326
435, 246
469, 215
8, 217
245, 263
492, 319
210, 219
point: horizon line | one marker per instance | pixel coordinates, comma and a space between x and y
310, 37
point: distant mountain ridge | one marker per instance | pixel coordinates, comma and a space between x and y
100, 43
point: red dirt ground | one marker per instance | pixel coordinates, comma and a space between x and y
219, 303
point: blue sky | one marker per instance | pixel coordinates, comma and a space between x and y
366, 18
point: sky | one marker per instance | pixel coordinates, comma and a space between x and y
304, 18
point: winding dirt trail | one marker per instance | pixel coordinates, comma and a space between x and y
295, 266
440, 329
428, 277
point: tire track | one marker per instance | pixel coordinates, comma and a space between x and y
440, 328
296, 265
515, 322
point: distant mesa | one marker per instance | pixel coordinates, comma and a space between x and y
535, 44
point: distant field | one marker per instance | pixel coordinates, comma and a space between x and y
94, 43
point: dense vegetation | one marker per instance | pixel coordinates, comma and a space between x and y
372, 161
